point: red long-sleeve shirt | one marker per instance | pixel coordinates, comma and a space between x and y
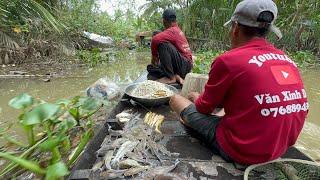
263, 96
176, 37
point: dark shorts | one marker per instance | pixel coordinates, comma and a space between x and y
171, 63
203, 127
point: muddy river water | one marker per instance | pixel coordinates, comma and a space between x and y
125, 70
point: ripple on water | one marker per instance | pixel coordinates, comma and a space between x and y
309, 142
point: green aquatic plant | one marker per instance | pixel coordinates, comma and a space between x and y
58, 124
203, 61
93, 57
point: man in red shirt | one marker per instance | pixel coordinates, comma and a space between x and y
258, 86
171, 54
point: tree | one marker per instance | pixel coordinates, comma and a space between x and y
16, 16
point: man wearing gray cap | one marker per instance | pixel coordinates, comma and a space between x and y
259, 88
171, 54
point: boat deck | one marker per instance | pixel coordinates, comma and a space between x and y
196, 160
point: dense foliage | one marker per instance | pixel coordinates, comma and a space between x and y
299, 21
203, 20
63, 129
204, 59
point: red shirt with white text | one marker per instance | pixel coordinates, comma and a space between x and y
264, 99
176, 37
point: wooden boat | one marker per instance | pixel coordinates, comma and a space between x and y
204, 163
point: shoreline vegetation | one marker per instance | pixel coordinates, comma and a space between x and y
36, 30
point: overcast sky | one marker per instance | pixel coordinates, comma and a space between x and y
111, 5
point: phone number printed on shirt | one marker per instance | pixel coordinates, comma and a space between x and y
283, 110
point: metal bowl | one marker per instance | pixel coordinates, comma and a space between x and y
146, 101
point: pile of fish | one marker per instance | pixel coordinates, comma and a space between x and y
154, 120
134, 151
151, 90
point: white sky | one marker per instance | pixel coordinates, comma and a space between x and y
111, 5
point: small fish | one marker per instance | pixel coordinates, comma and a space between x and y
115, 133
117, 143
128, 163
103, 150
124, 116
162, 169
128, 146
112, 174
154, 120
137, 156
107, 159
106, 140
159, 93
158, 124
97, 166
135, 170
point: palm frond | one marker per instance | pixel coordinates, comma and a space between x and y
46, 16
7, 41
152, 7
16, 12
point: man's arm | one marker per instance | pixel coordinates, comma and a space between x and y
161, 37
218, 84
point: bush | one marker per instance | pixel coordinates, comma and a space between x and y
203, 61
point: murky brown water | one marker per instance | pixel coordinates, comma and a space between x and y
309, 140
124, 71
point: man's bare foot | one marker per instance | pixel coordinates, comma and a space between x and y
179, 79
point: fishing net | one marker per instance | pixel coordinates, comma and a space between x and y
283, 169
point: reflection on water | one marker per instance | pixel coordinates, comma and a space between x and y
123, 71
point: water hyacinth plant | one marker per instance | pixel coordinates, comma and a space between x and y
49, 153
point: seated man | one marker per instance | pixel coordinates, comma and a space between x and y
258, 86
171, 54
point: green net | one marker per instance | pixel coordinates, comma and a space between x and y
284, 169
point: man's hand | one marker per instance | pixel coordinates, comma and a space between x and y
154, 60
193, 96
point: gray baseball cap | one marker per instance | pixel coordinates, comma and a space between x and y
248, 11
